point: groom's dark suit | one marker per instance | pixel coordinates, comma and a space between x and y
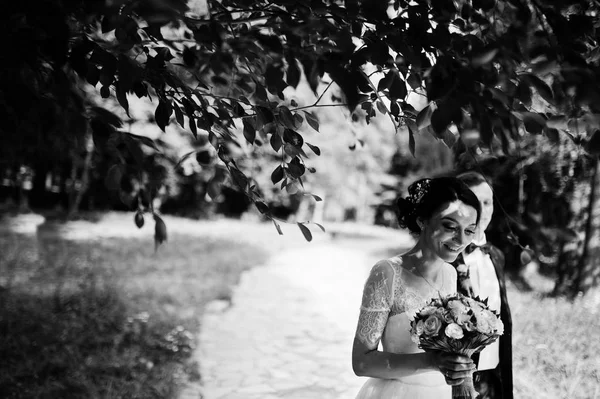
500, 379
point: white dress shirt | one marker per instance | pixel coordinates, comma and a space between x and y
485, 285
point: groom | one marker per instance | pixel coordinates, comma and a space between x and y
480, 270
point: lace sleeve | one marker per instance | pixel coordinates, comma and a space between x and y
376, 304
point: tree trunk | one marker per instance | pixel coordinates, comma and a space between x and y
578, 265
588, 275
85, 178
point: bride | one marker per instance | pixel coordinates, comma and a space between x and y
444, 213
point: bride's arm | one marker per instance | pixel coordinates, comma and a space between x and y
375, 308
367, 361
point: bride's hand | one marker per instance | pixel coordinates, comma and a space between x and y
454, 367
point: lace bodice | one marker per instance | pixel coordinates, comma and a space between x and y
392, 295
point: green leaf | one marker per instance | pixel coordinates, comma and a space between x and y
577, 125
314, 149
105, 91
293, 137
193, 128
316, 197
398, 89
305, 232
239, 178
114, 177
238, 109
179, 115
292, 188
109, 22
386, 81
263, 116
292, 150
524, 93
249, 132
261, 93
593, 144
293, 72
552, 135
162, 114
277, 174
163, 53
214, 189
262, 207
441, 119
286, 117
448, 138
544, 67
135, 150
183, 158
92, 75
320, 226
525, 257
411, 142
147, 141
557, 122
295, 168
542, 88
534, 122
139, 219
484, 57
160, 231
298, 120
424, 117
203, 157
276, 142
312, 120
140, 89
414, 81
394, 108
277, 227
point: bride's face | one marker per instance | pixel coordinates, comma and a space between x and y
449, 230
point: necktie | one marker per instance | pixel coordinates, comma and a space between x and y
465, 286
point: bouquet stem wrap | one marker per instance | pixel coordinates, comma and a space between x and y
466, 390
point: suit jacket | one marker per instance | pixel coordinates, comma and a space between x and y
504, 368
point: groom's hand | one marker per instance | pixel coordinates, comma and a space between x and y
455, 368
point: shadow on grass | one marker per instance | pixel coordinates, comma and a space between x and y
109, 318
83, 347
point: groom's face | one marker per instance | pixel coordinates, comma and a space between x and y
486, 198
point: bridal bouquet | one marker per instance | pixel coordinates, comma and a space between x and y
456, 324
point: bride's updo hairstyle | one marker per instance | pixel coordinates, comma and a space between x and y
426, 196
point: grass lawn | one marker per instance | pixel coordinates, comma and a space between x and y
556, 346
107, 318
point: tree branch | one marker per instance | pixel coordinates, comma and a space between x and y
319, 106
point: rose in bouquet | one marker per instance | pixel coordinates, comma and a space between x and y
456, 324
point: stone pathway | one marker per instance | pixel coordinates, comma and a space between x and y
288, 332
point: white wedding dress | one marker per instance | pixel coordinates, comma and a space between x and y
391, 298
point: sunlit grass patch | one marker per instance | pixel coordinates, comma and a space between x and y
556, 345
109, 318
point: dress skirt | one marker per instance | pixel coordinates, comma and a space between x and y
423, 386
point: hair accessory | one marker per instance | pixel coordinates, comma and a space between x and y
418, 190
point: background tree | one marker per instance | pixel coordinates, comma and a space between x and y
222, 68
